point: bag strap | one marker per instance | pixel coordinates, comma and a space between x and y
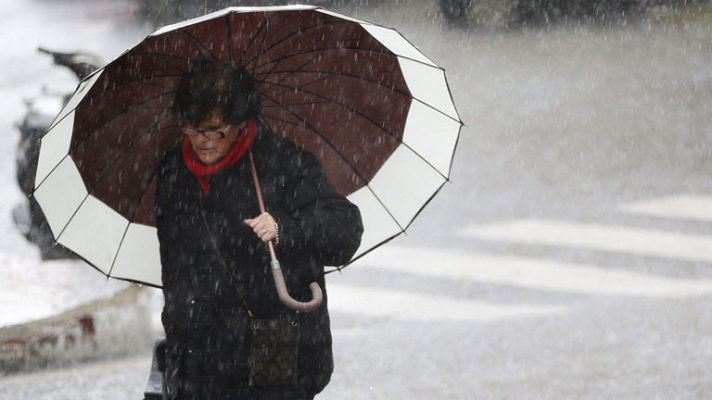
214, 244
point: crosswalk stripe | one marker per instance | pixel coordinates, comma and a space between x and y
690, 207
529, 273
647, 242
401, 305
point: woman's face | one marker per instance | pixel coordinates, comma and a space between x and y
207, 143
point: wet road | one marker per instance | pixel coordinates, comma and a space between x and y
570, 257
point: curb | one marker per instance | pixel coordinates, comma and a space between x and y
108, 328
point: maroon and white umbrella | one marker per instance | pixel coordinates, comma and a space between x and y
366, 102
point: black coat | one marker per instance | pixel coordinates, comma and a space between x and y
207, 328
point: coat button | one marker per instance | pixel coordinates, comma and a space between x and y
190, 351
192, 301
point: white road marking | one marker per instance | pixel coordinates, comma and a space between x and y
530, 273
639, 241
692, 207
417, 306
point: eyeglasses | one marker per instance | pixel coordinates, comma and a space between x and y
211, 134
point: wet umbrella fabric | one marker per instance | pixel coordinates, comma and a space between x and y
375, 111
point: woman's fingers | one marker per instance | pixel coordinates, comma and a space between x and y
264, 226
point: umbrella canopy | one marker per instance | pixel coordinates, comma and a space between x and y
375, 111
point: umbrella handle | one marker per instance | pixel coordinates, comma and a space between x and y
279, 283
287, 300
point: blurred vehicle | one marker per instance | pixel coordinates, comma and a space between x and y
165, 12
40, 112
501, 13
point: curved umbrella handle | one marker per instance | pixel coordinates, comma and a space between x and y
279, 283
286, 299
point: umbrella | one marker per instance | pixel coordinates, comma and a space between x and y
375, 111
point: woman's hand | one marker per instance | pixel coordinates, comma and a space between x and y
264, 226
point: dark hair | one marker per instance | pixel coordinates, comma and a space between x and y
208, 86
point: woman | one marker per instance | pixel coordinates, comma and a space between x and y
216, 278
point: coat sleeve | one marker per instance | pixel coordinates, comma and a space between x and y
317, 222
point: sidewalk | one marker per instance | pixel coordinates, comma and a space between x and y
61, 312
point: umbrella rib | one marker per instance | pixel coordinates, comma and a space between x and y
162, 108
118, 249
157, 54
115, 116
78, 143
374, 123
145, 78
167, 88
332, 101
348, 162
143, 194
262, 48
138, 204
134, 281
386, 52
140, 199
277, 63
449, 93
253, 39
89, 98
86, 261
299, 68
452, 156
88, 194
353, 168
131, 144
381, 243
298, 104
394, 236
69, 221
50, 172
315, 131
277, 60
288, 89
403, 230
201, 48
286, 56
135, 211
305, 84
229, 39
329, 100
291, 35
339, 74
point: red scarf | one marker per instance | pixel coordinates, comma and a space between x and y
203, 172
